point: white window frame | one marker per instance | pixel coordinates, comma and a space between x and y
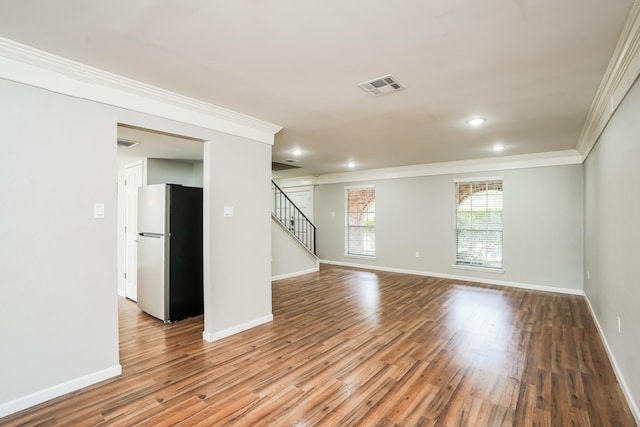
459, 264
347, 248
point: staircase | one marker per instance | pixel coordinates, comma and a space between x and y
288, 214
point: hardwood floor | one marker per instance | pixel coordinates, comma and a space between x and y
351, 347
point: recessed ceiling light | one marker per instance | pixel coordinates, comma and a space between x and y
476, 121
351, 165
497, 148
296, 151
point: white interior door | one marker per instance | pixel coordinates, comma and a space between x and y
302, 197
132, 180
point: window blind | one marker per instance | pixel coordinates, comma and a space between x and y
360, 231
479, 231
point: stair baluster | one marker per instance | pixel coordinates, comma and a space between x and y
292, 218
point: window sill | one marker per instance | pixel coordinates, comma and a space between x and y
369, 257
484, 269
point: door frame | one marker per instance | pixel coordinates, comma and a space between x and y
126, 292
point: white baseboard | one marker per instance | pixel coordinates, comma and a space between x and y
41, 396
623, 384
215, 336
296, 273
464, 278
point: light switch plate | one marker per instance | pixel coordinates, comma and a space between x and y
98, 210
228, 211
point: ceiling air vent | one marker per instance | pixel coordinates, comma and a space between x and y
382, 85
125, 143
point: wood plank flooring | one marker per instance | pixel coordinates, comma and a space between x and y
352, 347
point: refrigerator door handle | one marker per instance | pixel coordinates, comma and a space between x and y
154, 235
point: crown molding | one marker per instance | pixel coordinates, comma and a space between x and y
555, 158
24, 64
621, 73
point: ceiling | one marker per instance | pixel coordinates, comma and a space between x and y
158, 145
530, 67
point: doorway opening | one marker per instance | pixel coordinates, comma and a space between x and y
148, 157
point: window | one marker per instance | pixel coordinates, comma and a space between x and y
360, 232
479, 223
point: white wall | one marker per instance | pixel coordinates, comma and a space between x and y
612, 233
58, 304
239, 246
543, 225
58, 264
169, 171
198, 173
288, 256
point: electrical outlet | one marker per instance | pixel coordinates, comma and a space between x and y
619, 325
588, 275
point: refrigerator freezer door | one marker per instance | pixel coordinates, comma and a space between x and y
152, 209
153, 275
185, 264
